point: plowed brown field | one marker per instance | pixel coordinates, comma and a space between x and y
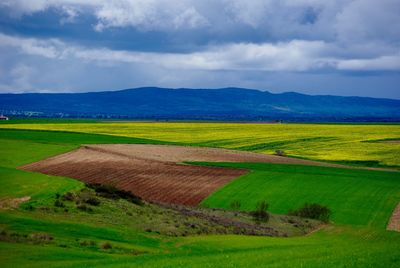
153, 172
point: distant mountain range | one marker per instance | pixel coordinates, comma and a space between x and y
201, 104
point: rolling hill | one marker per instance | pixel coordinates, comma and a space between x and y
201, 104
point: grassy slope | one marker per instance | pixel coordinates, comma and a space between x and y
314, 141
336, 246
358, 197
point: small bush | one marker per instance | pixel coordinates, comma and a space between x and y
280, 153
13, 237
59, 203
261, 214
92, 201
86, 243
27, 207
83, 207
235, 205
69, 196
41, 237
313, 211
106, 245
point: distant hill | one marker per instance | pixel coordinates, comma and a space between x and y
201, 104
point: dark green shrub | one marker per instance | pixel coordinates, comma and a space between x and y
280, 153
27, 206
235, 205
111, 192
261, 214
313, 211
59, 203
92, 201
106, 245
86, 243
69, 196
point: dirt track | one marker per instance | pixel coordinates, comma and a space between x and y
176, 154
153, 172
394, 222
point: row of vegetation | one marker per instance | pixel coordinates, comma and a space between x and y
85, 198
40, 238
311, 211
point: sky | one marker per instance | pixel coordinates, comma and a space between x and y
318, 47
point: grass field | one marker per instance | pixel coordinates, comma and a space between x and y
355, 239
349, 144
375, 194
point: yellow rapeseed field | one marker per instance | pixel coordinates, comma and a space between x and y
314, 141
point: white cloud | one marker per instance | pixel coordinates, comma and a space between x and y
342, 20
369, 20
190, 19
19, 7
49, 48
383, 63
149, 15
70, 14
295, 55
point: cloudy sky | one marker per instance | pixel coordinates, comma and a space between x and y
341, 47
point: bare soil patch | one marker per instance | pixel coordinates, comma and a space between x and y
391, 141
394, 222
151, 179
154, 172
11, 203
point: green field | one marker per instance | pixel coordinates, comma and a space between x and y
374, 193
361, 200
351, 144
